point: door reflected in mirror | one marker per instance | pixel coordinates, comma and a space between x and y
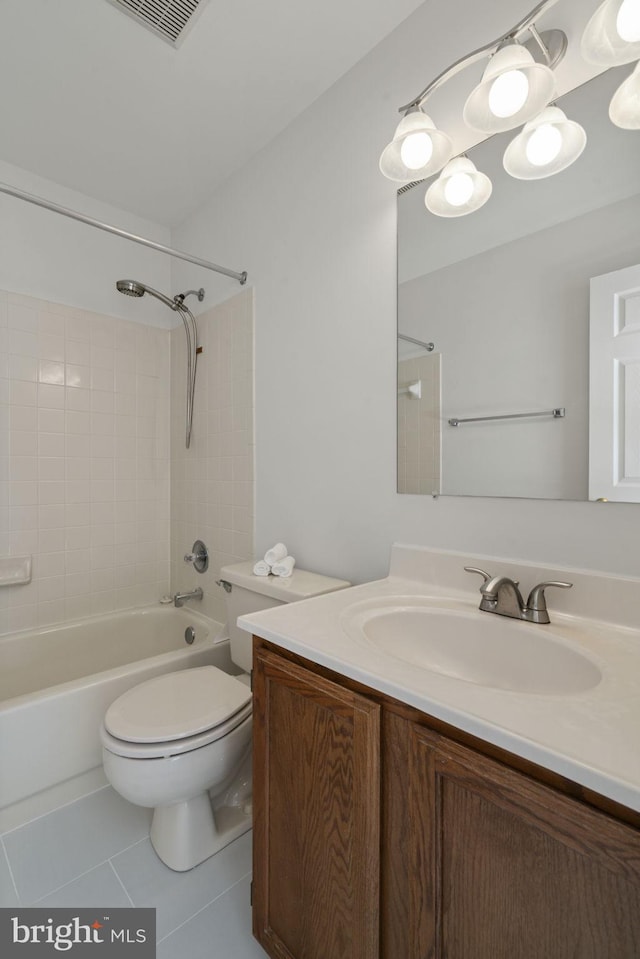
503, 295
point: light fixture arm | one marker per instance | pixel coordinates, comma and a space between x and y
526, 24
540, 44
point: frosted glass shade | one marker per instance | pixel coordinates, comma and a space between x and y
418, 149
513, 89
546, 145
624, 109
460, 189
612, 35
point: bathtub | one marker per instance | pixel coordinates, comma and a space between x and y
56, 684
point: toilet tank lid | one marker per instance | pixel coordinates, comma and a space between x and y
300, 585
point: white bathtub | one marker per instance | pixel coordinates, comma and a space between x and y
56, 684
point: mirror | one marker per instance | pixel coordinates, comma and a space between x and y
494, 314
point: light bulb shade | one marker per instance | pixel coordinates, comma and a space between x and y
513, 89
624, 109
545, 146
418, 149
612, 35
460, 189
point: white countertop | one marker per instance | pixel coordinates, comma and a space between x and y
591, 737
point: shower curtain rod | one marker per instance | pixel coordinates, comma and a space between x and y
411, 339
90, 221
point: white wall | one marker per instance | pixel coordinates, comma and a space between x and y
52, 257
313, 222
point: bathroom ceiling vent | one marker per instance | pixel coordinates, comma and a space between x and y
166, 18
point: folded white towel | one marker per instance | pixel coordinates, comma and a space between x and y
284, 567
261, 568
275, 554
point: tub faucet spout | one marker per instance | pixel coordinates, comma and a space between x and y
180, 598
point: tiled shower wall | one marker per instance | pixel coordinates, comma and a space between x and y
212, 482
84, 461
419, 425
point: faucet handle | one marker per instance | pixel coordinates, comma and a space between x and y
474, 569
537, 602
199, 557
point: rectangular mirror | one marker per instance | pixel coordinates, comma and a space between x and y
494, 377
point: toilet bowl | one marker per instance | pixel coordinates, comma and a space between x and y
169, 741
181, 743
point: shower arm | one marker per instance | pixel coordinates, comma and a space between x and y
181, 297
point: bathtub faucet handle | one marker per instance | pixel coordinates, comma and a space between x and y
199, 557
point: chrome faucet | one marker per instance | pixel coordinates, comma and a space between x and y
502, 595
180, 598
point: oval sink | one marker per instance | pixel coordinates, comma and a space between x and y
475, 647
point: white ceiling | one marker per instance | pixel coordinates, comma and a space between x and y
94, 101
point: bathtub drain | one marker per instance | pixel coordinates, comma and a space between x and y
189, 635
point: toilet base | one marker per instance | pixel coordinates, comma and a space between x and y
184, 834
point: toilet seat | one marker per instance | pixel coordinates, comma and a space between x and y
165, 750
175, 713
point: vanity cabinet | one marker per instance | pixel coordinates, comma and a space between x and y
379, 832
316, 815
501, 866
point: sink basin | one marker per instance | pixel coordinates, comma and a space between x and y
471, 646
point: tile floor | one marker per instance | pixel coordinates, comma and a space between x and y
96, 852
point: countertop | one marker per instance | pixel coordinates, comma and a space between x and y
591, 737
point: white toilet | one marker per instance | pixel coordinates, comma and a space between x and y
175, 741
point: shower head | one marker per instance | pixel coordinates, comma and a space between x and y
133, 288
130, 288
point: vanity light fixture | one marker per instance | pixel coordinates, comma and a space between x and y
517, 83
624, 109
460, 189
612, 36
513, 89
516, 88
546, 145
418, 149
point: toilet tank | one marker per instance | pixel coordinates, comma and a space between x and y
250, 594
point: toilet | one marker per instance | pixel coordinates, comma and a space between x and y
181, 743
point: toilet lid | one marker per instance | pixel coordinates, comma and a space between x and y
176, 705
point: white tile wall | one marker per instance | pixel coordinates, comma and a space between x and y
212, 482
84, 461
419, 426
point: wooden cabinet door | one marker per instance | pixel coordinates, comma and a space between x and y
502, 867
316, 788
